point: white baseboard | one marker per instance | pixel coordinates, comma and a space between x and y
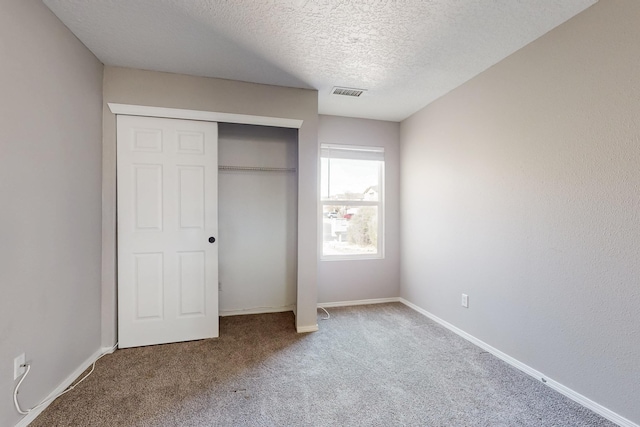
256, 310
562, 389
358, 302
64, 384
305, 329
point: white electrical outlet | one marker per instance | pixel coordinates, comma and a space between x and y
18, 369
465, 300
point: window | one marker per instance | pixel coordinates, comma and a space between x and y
352, 199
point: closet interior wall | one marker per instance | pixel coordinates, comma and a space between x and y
257, 218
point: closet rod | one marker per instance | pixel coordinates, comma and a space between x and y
255, 169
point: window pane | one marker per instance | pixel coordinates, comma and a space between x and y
347, 179
350, 230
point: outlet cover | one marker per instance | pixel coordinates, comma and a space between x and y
18, 369
465, 300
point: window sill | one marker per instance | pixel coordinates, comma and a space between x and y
351, 257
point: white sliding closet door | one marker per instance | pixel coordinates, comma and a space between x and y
167, 226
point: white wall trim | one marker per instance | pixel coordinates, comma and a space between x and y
358, 302
27, 419
209, 116
256, 310
562, 389
305, 329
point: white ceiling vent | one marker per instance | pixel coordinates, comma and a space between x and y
347, 91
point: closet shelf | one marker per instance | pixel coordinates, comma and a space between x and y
255, 169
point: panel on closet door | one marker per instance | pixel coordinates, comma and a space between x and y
190, 142
192, 283
148, 196
191, 196
149, 292
147, 140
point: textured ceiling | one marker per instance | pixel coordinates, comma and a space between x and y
406, 53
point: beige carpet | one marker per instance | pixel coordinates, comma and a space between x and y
378, 365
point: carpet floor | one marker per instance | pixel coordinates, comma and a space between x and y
377, 365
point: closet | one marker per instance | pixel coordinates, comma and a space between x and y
257, 218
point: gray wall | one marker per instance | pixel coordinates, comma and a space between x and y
156, 89
373, 278
521, 188
258, 219
50, 148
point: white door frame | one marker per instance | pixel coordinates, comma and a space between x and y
177, 113
205, 116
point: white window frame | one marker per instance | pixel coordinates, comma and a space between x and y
380, 203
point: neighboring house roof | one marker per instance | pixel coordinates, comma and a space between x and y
371, 193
